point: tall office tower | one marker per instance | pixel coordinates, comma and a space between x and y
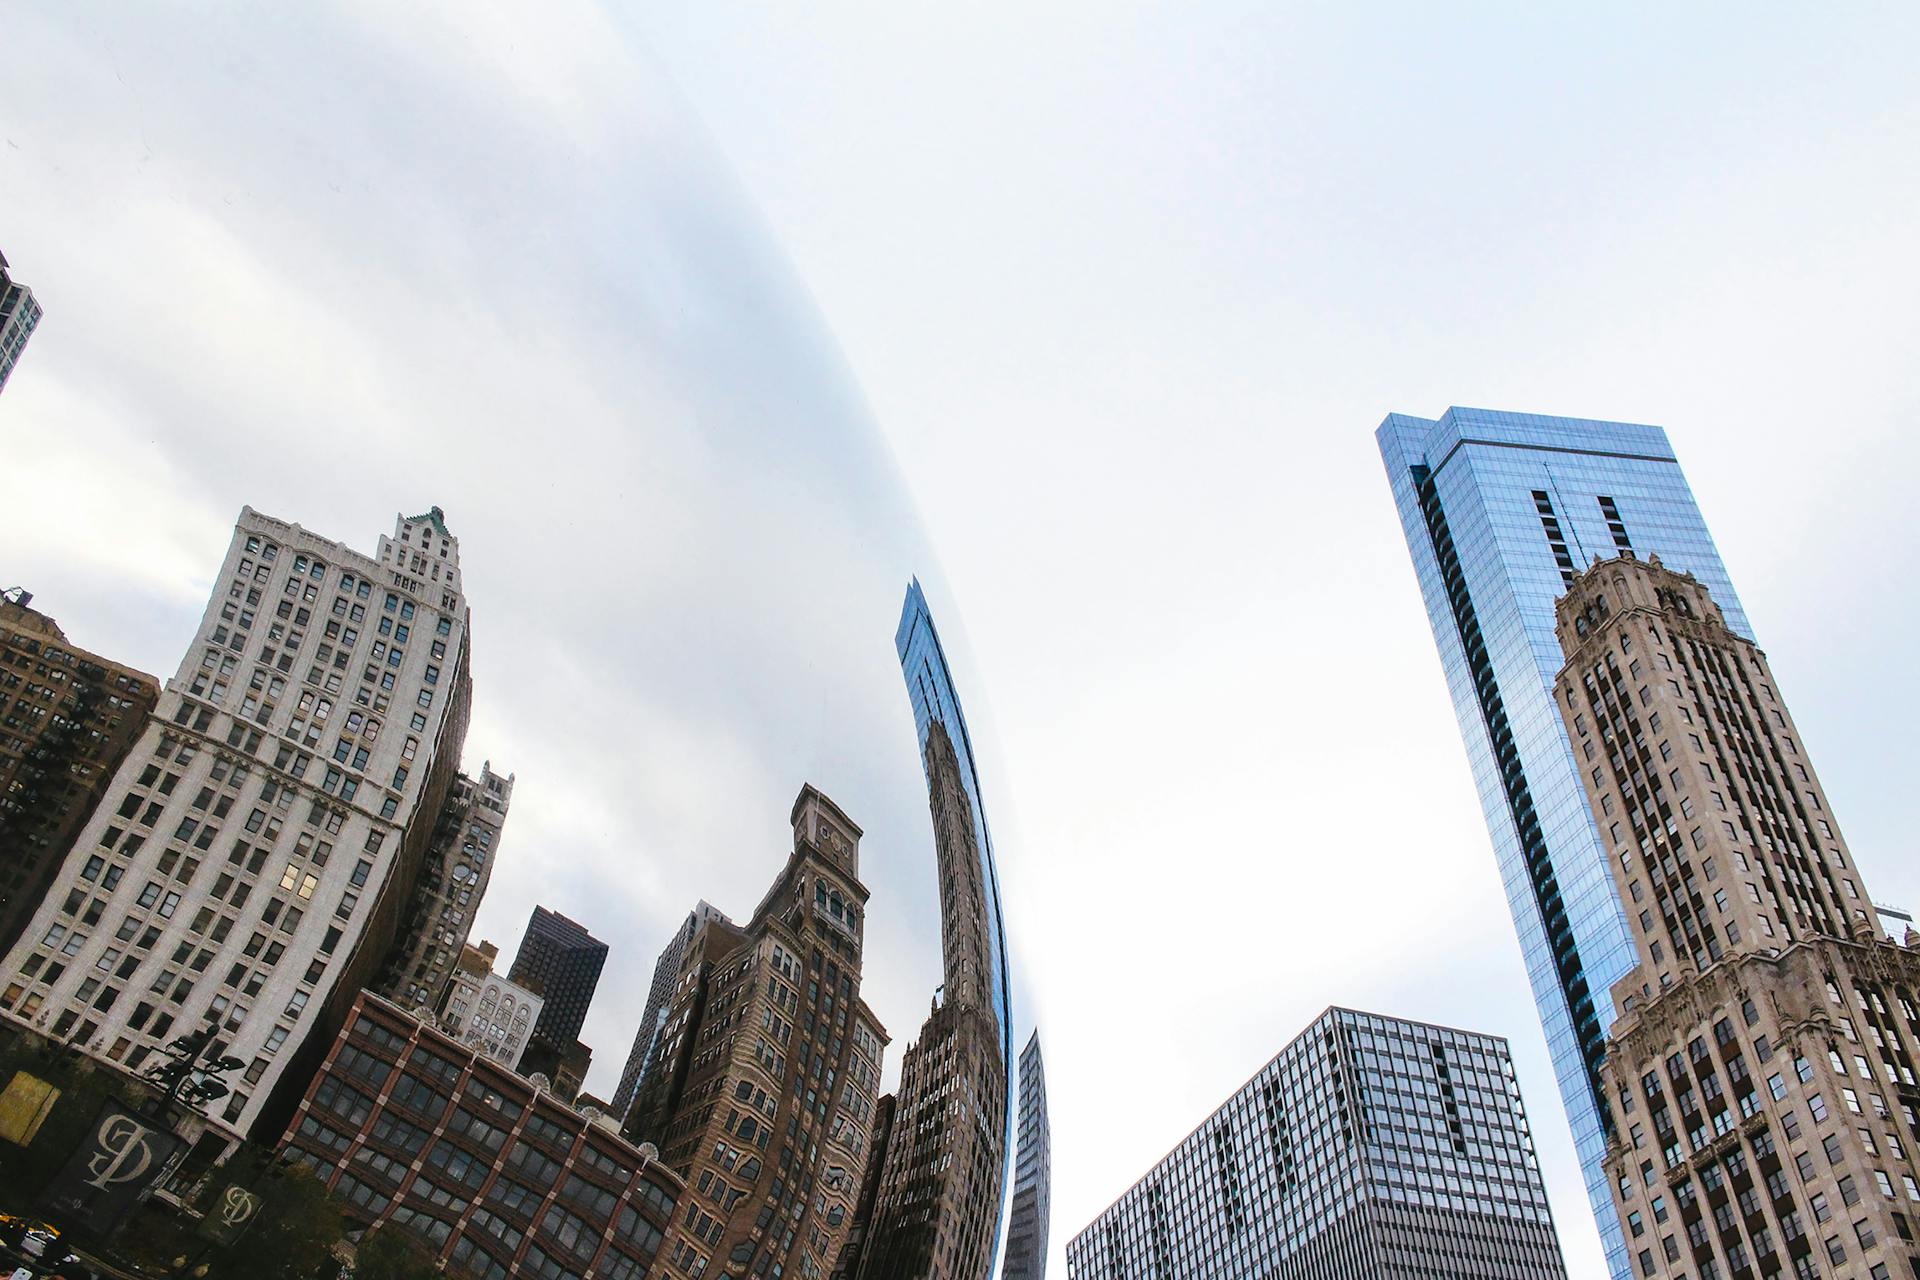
561, 961
19, 316
1032, 1174
251, 860
763, 1097
1766, 1111
447, 894
1369, 1147
942, 1179
67, 720
666, 971
1500, 510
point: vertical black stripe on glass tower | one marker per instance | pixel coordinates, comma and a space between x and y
1591, 1036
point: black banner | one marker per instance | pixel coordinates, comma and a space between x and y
230, 1214
120, 1156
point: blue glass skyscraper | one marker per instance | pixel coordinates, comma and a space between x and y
1500, 510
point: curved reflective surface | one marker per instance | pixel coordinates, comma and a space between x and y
497, 273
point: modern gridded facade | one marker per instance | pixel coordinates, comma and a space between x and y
251, 861
1762, 1071
1369, 1149
1500, 511
561, 961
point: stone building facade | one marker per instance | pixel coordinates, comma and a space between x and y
1760, 1077
486, 1011
252, 858
769, 1066
446, 897
67, 720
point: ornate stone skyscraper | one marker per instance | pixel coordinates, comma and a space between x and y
1370, 1149
1761, 1074
768, 1066
252, 859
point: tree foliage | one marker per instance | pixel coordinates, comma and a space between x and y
389, 1253
293, 1237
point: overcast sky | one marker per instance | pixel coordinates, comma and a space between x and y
1127, 289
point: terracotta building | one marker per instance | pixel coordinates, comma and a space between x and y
768, 1068
495, 1176
67, 720
1760, 1077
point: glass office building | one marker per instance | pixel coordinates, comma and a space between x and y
1370, 1149
1500, 510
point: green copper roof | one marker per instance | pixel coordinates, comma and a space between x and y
438, 518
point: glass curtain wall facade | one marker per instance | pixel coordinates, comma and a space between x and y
1500, 512
1369, 1148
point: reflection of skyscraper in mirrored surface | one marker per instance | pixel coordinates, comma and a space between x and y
1032, 1174
939, 1185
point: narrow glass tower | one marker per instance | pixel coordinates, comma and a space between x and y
1501, 511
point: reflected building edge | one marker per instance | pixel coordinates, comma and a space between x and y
935, 1183
748, 536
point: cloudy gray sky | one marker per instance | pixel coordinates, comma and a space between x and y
1127, 288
